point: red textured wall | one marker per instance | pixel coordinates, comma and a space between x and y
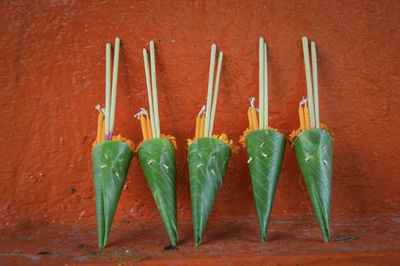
52, 75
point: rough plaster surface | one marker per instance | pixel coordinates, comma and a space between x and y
52, 74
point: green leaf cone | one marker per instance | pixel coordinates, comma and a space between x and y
157, 159
265, 149
314, 153
208, 159
111, 160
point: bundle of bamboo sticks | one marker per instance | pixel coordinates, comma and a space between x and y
263, 85
110, 107
105, 123
309, 114
150, 126
254, 124
205, 122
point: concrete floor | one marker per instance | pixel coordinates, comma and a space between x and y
367, 241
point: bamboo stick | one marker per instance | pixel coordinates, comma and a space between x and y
149, 94
265, 87
154, 88
114, 85
261, 81
108, 90
216, 86
308, 81
209, 91
315, 82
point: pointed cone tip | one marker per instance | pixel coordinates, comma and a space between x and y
326, 236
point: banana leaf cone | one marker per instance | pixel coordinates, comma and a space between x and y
157, 159
208, 159
111, 161
265, 149
314, 153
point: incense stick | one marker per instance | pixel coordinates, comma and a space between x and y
149, 94
216, 85
315, 82
210, 89
265, 87
308, 81
108, 90
154, 87
261, 81
114, 86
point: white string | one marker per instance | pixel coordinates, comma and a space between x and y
252, 99
303, 101
138, 115
144, 111
203, 108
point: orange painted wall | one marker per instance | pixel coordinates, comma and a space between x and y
52, 75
